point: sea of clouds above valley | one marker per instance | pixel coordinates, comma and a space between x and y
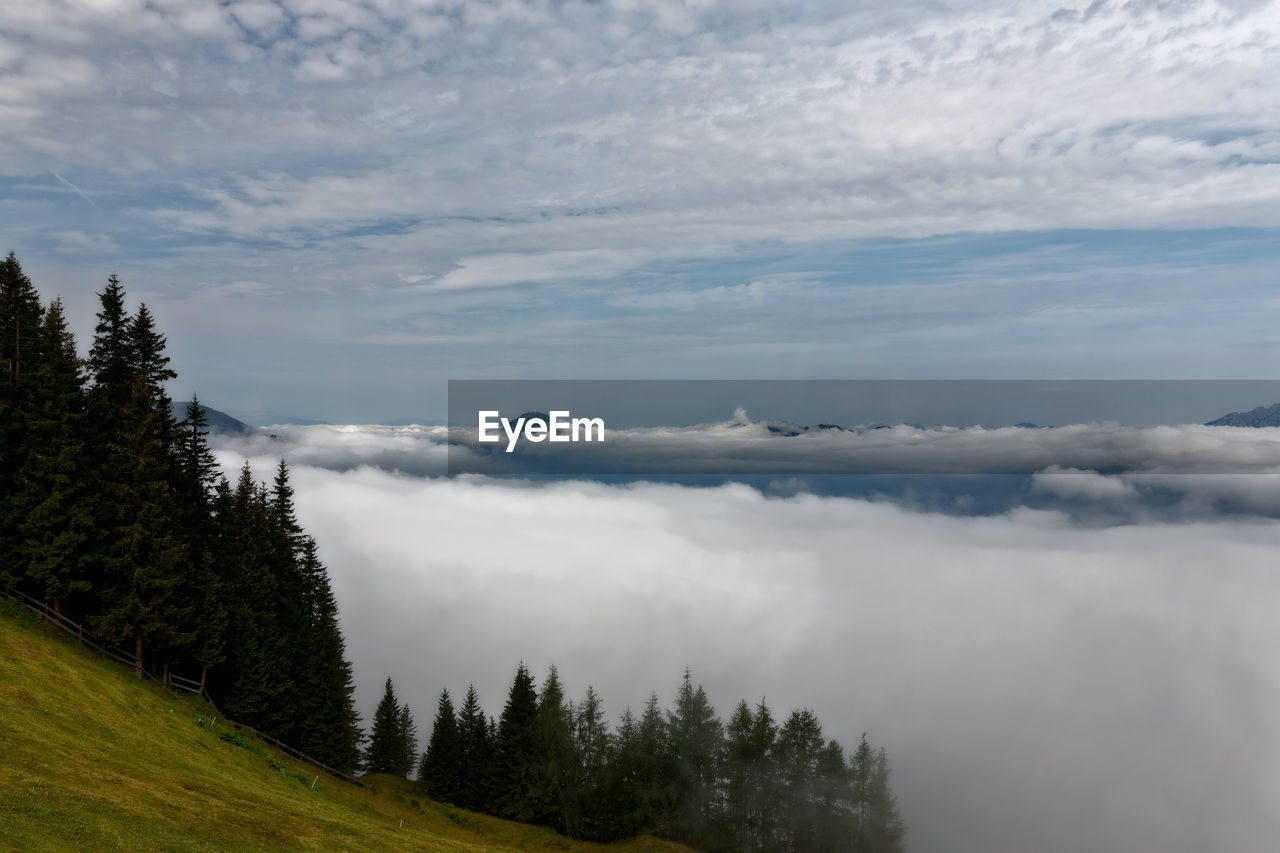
1041, 680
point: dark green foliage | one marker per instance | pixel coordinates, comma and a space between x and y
681, 774
116, 512
555, 804
328, 728
20, 334
476, 743
589, 816
695, 743
441, 771
515, 770
407, 733
55, 524
393, 743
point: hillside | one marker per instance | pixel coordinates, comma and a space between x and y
92, 758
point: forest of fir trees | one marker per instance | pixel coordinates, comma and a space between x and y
114, 511
753, 784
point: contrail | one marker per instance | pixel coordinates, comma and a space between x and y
79, 191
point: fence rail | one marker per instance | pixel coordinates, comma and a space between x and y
169, 681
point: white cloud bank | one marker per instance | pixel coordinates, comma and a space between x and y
1038, 685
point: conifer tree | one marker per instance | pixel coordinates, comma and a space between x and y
110, 362
143, 559
514, 777
475, 746
696, 737
877, 826
56, 524
796, 753
407, 735
385, 753
740, 761
328, 727
441, 769
256, 682
591, 744
20, 333
557, 762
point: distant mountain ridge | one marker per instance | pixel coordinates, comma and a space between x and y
1263, 416
218, 421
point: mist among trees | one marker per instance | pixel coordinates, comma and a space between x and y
114, 511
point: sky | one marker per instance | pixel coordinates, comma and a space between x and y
333, 207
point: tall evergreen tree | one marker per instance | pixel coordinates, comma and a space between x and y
797, 752
441, 770
514, 776
476, 747
591, 745
696, 739
557, 764
384, 753
20, 333
255, 684
328, 727
111, 362
877, 826
407, 733
56, 522
195, 476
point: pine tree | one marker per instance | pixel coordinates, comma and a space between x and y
196, 476
407, 736
255, 684
143, 560
834, 801
796, 753
514, 777
328, 727
56, 523
110, 358
640, 793
441, 768
740, 761
20, 322
557, 762
764, 787
591, 744
696, 738
20, 333
476, 748
385, 753
877, 826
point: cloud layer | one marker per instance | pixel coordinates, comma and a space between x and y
402, 192
1039, 685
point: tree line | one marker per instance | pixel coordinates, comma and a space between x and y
752, 784
115, 511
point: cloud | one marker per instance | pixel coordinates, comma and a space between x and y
828, 124
80, 241
1038, 685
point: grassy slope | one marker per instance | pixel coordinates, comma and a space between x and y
91, 758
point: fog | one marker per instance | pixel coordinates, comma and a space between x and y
1039, 683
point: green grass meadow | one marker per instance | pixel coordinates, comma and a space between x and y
91, 758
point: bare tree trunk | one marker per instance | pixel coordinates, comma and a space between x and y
138, 654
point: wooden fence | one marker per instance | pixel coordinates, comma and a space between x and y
169, 681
